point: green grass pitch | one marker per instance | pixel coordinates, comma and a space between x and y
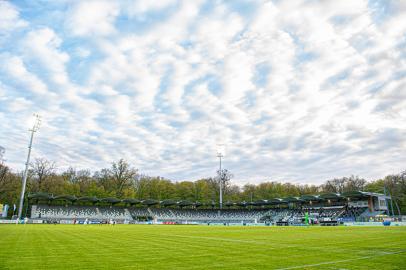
200, 247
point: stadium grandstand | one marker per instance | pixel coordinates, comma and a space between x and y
324, 209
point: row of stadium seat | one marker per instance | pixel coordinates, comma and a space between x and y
79, 212
192, 215
206, 215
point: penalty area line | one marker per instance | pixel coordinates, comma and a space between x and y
341, 261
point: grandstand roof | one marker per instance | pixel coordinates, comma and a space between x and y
292, 199
328, 196
361, 194
131, 201
110, 200
275, 201
69, 198
168, 202
40, 195
228, 204
260, 202
242, 204
88, 199
198, 204
310, 198
149, 202
184, 203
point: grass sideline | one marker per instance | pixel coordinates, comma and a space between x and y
200, 247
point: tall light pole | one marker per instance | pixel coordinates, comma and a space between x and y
220, 156
34, 129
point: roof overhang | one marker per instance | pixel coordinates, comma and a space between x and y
310, 198
40, 196
69, 198
330, 196
362, 194
110, 200
168, 202
184, 203
292, 200
150, 202
88, 199
131, 201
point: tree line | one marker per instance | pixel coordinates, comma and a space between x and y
121, 180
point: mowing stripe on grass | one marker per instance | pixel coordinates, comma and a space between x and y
342, 261
215, 238
279, 245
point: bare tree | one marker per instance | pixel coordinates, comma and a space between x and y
123, 175
335, 185
70, 175
225, 176
344, 184
355, 183
41, 170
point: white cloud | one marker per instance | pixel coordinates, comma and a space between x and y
43, 45
92, 18
18, 104
14, 67
10, 19
137, 7
82, 52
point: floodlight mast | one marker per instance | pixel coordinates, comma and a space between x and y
34, 129
220, 155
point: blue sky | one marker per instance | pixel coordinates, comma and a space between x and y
299, 91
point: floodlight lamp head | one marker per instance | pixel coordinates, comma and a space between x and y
37, 122
220, 150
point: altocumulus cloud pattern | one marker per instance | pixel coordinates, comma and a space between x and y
296, 90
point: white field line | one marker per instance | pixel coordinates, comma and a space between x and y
341, 261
